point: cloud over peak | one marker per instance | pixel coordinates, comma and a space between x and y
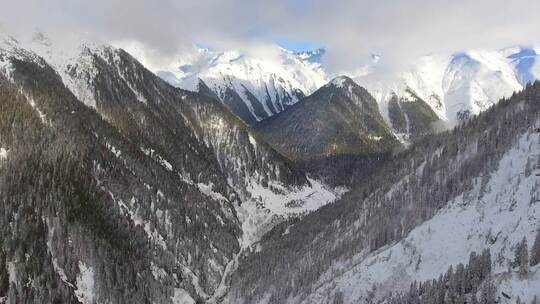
350, 30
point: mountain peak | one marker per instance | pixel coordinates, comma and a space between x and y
40, 38
342, 82
314, 56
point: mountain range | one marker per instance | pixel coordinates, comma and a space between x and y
253, 88
236, 179
454, 86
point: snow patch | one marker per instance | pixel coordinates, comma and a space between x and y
339, 82
270, 205
374, 137
181, 297
252, 141
162, 161
41, 115
3, 153
59, 270
208, 190
12, 272
85, 284
114, 150
158, 272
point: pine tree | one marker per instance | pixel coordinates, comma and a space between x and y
338, 298
487, 295
535, 251
521, 257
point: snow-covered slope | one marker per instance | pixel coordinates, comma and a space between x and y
457, 85
496, 214
254, 88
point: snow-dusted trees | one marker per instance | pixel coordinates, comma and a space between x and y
535, 251
338, 298
455, 286
487, 293
521, 257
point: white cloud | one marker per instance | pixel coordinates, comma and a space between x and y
350, 29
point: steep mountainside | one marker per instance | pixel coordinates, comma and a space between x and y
454, 86
341, 118
412, 118
252, 88
464, 191
264, 179
459, 85
185, 184
89, 215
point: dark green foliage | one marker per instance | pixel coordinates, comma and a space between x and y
333, 121
412, 117
535, 250
344, 170
521, 257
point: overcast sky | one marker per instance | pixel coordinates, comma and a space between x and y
350, 30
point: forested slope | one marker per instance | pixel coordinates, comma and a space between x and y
303, 261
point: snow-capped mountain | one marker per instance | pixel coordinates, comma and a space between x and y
163, 162
254, 88
455, 86
458, 85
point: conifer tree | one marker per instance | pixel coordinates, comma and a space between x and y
521, 257
535, 251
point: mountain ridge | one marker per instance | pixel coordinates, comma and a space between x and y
339, 118
173, 151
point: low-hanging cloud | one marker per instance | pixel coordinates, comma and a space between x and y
351, 30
